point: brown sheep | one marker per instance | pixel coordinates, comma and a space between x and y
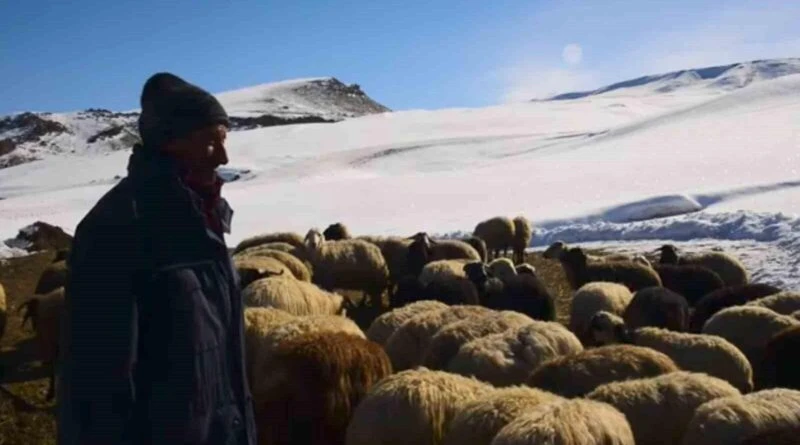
498, 233
45, 312
52, 278
727, 297
780, 362
522, 238
633, 275
316, 380
730, 269
657, 307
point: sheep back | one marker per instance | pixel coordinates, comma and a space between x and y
395, 252
729, 268
412, 407
252, 268
592, 298
785, 303
291, 238
659, 408
315, 381
299, 270
497, 232
523, 233
442, 269
384, 326
444, 345
657, 307
780, 362
451, 249
730, 420
727, 297
578, 374
502, 268
569, 422
693, 282
479, 422
350, 264
509, 357
708, 354
292, 296
408, 343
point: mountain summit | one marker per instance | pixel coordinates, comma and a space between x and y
723, 78
29, 136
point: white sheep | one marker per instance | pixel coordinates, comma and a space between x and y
785, 303
509, 357
442, 270
576, 375
384, 326
498, 233
347, 264
298, 268
444, 345
293, 296
709, 354
479, 422
257, 322
592, 298
659, 409
412, 407
502, 268
408, 343
749, 328
291, 238
452, 249
252, 268
523, 233
732, 420
569, 422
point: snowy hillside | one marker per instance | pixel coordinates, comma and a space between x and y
691, 167
716, 79
25, 137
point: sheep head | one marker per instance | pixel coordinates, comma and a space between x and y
669, 254
477, 272
314, 239
606, 328
574, 257
556, 250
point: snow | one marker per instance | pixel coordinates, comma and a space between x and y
700, 167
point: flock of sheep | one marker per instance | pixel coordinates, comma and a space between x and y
462, 345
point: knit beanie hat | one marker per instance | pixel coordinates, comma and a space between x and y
173, 108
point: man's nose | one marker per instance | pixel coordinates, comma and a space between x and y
220, 154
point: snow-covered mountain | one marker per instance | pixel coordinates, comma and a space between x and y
715, 79
29, 136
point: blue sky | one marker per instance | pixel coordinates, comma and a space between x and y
59, 56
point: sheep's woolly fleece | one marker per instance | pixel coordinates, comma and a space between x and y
480, 421
298, 269
749, 328
290, 238
572, 422
730, 420
384, 326
785, 303
293, 296
412, 407
592, 298
659, 408
509, 357
442, 270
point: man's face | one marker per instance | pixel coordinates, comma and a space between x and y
202, 151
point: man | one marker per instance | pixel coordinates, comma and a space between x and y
153, 333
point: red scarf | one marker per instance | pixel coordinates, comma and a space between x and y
210, 192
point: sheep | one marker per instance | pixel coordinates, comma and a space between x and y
45, 312
578, 374
348, 264
53, 277
452, 291
257, 322
444, 345
299, 270
336, 232
750, 329
691, 281
291, 238
384, 326
592, 298
412, 407
292, 296
660, 408
732, 420
779, 365
409, 342
558, 248
442, 269
479, 421
569, 422
658, 307
498, 233
252, 268
730, 269
708, 354
408, 290
479, 245
315, 381
264, 340
579, 271
524, 293
523, 233
502, 268
3, 311
727, 297
778, 436
395, 252
509, 357
452, 249
785, 303
641, 259
525, 268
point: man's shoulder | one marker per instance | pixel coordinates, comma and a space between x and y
115, 208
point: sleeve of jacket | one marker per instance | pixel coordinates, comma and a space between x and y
101, 335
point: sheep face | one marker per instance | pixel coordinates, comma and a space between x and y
314, 239
606, 328
477, 272
555, 250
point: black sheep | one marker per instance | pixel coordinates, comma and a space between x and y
419, 253
633, 275
336, 231
523, 293
479, 245
657, 307
452, 291
693, 282
727, 297
781, 361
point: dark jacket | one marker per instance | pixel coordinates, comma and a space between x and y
153, 330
